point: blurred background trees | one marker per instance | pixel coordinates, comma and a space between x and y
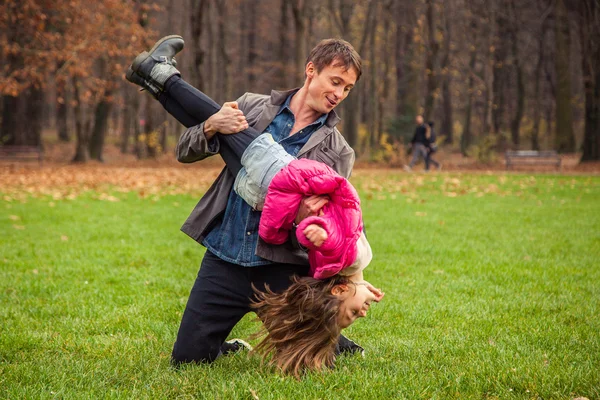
508, 74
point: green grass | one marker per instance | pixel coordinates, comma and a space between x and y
492, 291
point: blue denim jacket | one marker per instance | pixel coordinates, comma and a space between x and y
235, 237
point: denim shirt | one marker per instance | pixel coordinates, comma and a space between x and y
235, 237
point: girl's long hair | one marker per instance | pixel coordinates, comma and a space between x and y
300, 325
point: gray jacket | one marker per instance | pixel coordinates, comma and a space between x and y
326, 145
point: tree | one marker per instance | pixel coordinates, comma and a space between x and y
564, 138
447, 126
342, 13
500, 70
515, 125
431, 67
589, 18
62, 40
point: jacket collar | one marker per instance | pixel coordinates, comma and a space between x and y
279, 97
275, 102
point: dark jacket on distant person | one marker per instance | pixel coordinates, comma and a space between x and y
420, 136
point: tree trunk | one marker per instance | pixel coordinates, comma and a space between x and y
591, 140
62, 125
352, 102
223, 58
101, 114
589, 13
282, 53
535, 133
537, 112
447, 126
465, 140
210, 67
515, 125
197, 24
129, 116
150, 130
403, 37
10, 105
500, 75
372, 109
299, 12
564, 138
383, 98
431, 61
252, 51
35, 114
81, 128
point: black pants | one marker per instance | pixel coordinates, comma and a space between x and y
429, 160
219, 299
192, 107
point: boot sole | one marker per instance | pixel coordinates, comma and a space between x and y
145, 54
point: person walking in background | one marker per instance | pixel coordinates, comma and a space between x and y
431, 148
419, 143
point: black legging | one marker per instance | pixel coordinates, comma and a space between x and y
192, 107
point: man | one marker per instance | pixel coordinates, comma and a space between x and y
303, 122
419, 143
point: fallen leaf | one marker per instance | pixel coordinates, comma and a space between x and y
420, 214
19, 227
14, 217
254, 395
64, 238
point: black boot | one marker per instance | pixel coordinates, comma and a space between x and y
147, 85
157, 65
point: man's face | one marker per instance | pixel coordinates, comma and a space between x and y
419, 120
328, 88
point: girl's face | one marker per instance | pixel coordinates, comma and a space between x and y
356, 300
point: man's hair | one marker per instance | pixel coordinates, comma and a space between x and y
300, 325
335, 52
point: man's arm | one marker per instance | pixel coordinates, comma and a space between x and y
346, 163
198, 142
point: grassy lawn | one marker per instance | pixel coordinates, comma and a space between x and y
492, 291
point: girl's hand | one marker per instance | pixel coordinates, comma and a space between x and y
315, 234
377, 292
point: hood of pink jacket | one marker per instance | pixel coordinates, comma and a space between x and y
342, 218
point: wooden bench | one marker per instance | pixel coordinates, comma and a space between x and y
532, 158
21, 153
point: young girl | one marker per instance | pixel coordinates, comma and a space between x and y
303, 323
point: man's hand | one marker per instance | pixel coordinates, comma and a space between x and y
229, 119
315, 234
310, 206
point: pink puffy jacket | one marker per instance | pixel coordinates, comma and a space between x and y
341, 219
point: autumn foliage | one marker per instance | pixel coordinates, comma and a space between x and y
64, 39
